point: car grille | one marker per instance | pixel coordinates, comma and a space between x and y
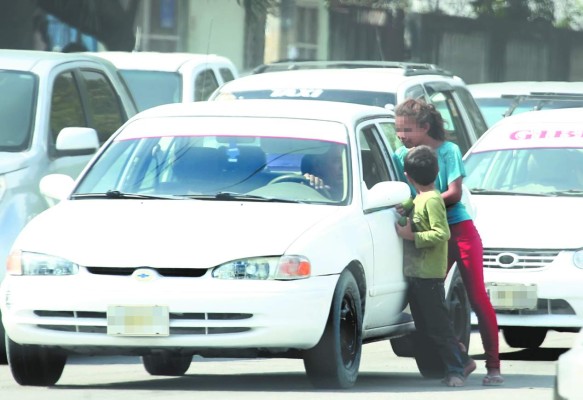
544, 307
99, 323
518, 258
167, 272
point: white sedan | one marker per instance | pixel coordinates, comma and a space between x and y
569, 370
200, 229
526, 179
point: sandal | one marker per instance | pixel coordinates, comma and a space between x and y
493, 380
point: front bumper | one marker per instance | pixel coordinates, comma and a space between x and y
559, 298
71, 312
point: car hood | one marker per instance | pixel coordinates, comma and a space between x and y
169, 233
529, 222
12, 161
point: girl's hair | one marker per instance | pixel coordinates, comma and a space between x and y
423, 113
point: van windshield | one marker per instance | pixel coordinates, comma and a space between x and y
17, 95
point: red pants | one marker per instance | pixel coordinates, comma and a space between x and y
465, 248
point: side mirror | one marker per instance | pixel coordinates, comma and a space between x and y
77, 141
386, 194
55, 187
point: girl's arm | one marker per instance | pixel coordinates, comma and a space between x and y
453, 194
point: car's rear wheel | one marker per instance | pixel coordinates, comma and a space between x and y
335, 360
33, 365
166, 364
524, 337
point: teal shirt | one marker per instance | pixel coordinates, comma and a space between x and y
426, 257
451, 167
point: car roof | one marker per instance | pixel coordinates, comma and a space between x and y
409, 68
346, 113
553, 128
158, 61
497, 89
362, 79
28, 60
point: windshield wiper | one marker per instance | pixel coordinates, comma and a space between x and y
570, 192
116, 194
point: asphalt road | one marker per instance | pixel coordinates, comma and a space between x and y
529, 375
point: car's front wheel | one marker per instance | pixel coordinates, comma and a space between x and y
335, 360
34, 365
166, 364
524, 337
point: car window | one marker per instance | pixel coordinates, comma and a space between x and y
226, 74
204, 85
453, 123
374, 166
153, 88
472, 109
66, 106
17, 99
415, 92
390, 133
531, 171
104, 108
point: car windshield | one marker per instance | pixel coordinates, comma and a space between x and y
537, 171
17, 103
379, 99
153, 88
494, 109
225, 163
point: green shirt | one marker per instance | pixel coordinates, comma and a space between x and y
426, 257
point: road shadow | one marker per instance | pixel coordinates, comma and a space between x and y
540, 354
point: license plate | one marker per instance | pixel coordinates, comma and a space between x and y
512, 296
138, 321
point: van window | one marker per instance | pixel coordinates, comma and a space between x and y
66, 106
105, 112
204, 85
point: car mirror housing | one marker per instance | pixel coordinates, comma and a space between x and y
55, 187
77, 140
386, 194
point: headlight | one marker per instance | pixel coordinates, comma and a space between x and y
263, 268
25, 263
578, 258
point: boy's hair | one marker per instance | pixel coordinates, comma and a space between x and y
423, 113
421, 165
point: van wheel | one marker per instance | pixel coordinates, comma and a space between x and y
3, 357
34, 365
335, 360
165, 364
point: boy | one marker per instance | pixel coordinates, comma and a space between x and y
426, 234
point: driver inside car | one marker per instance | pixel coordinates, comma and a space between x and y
324, 172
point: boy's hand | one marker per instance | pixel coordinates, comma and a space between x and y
406, 232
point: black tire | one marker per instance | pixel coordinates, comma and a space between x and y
335, 360
34, 365
524, 337
3, 356
460, 310
165, 364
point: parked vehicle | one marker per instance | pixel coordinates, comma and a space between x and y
46, 100
569, 367
501, 99
217, 247
382, 84
156, 78
526, 179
